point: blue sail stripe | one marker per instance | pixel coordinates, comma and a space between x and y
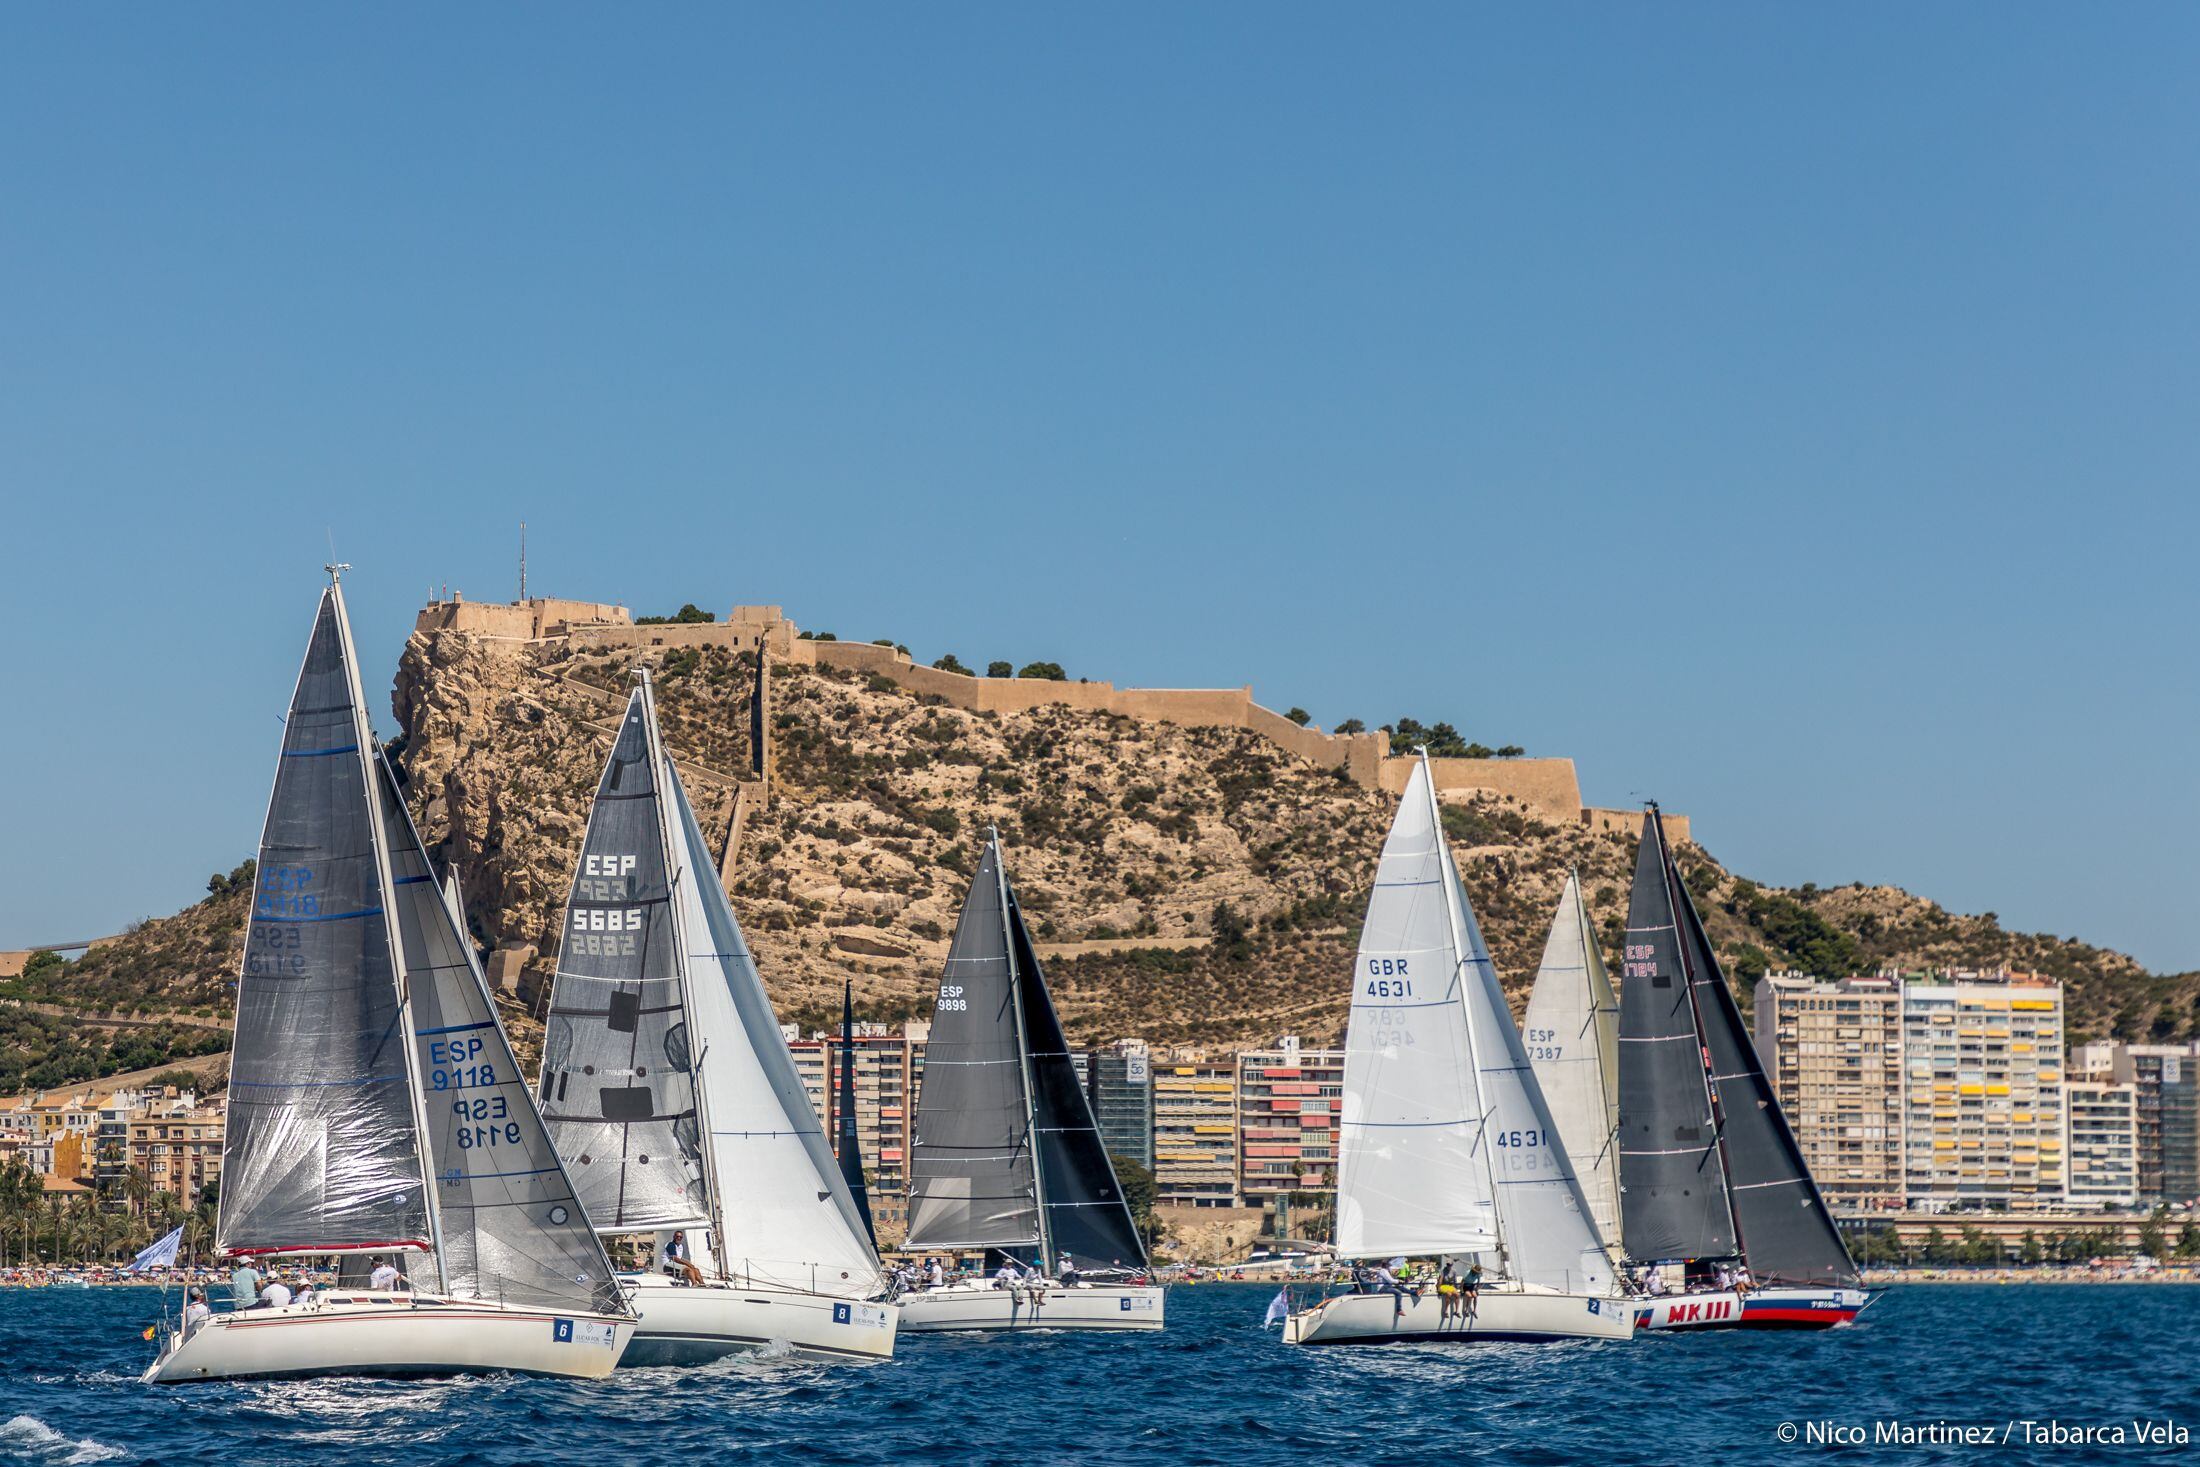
320, 753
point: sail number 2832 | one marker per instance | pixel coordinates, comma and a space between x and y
1387, 978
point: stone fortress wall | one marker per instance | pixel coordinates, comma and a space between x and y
1548, 787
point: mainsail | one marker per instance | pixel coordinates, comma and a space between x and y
508, 1224
1673, 1181
1087, 1219
1785, 1232
847, 1146
322, 1151
618, 1084
971, 1178
1413, 1176
1573, 1044
782, 1215
1548, 1237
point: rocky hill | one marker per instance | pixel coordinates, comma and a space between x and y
1187, 884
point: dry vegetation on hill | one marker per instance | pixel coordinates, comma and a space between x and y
1224, 878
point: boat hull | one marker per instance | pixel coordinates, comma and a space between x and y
1049, 1306
1770, 1308
394, 1335
684, 1324
1499, 1317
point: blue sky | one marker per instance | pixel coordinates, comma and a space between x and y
1788, 413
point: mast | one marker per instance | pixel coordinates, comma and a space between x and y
1023, 1059
368, 752
1674, 897
674, 875
850, 1147
1458, 987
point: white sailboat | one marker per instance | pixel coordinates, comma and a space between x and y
671, 1093
1572, 1036
375, 1108
1006, 1155
1446, 1146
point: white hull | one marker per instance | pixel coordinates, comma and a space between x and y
1046, 1306
682, 1324
1376, 1319
394, 1334
1766, 1308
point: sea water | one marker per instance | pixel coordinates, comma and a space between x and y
1922, 1371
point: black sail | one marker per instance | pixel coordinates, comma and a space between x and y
322, 1149
1786, 1233
970, 1165
618, 1081
1673, 1184
846, 1141
1088, 1220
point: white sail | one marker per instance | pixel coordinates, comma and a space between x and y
1412, 1177
784, 1215
1550, 1240
1573, 1045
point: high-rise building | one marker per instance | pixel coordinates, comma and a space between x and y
1983, 1118
2104, 1143
2166, 1080
1834, 1052
1195, 1125
1288, 1098
179, 1149
1119, 1083
889, 1066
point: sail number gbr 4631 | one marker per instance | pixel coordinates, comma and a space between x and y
1387, 978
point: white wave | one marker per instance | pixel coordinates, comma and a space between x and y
26, 1438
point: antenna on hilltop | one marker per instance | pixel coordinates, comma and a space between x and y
523, 560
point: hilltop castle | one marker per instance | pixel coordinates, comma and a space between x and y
1547, 787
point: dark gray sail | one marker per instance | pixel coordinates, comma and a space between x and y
1088, 1221
618, 1084
507, 1221
1786, 1234
845, 1140
1673, 1186
322, 1148
970, 1168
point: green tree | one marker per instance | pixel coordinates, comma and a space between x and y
1351, 726
688, 613
1300, 717
2154, 1233
1000, 669
951, 663
239, 879
2188, 1241
1045, 671
2031, 1252
1137, 1183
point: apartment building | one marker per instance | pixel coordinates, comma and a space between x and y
2104, 1143
1288, 1099
2165, 1079
889, 1067
1834, 1052
1983, 1105
1195, 1128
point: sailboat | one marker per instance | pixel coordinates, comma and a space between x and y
375, 1109
1446, 1146
671, 1094
1572, 1035
1006, 1155
846, 1147
1709, 1171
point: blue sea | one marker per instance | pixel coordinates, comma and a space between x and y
1214, 1388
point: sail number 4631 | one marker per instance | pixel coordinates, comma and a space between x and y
1386, 978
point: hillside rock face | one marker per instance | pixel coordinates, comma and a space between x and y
1195, 884
1185, 884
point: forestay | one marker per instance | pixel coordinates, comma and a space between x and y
321, 1150
784, 1215
970, 1177
617, 1083
508, 1223
1573, 1046
1411, 1175
1549, 1238
1673, 1196
1088, 1220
